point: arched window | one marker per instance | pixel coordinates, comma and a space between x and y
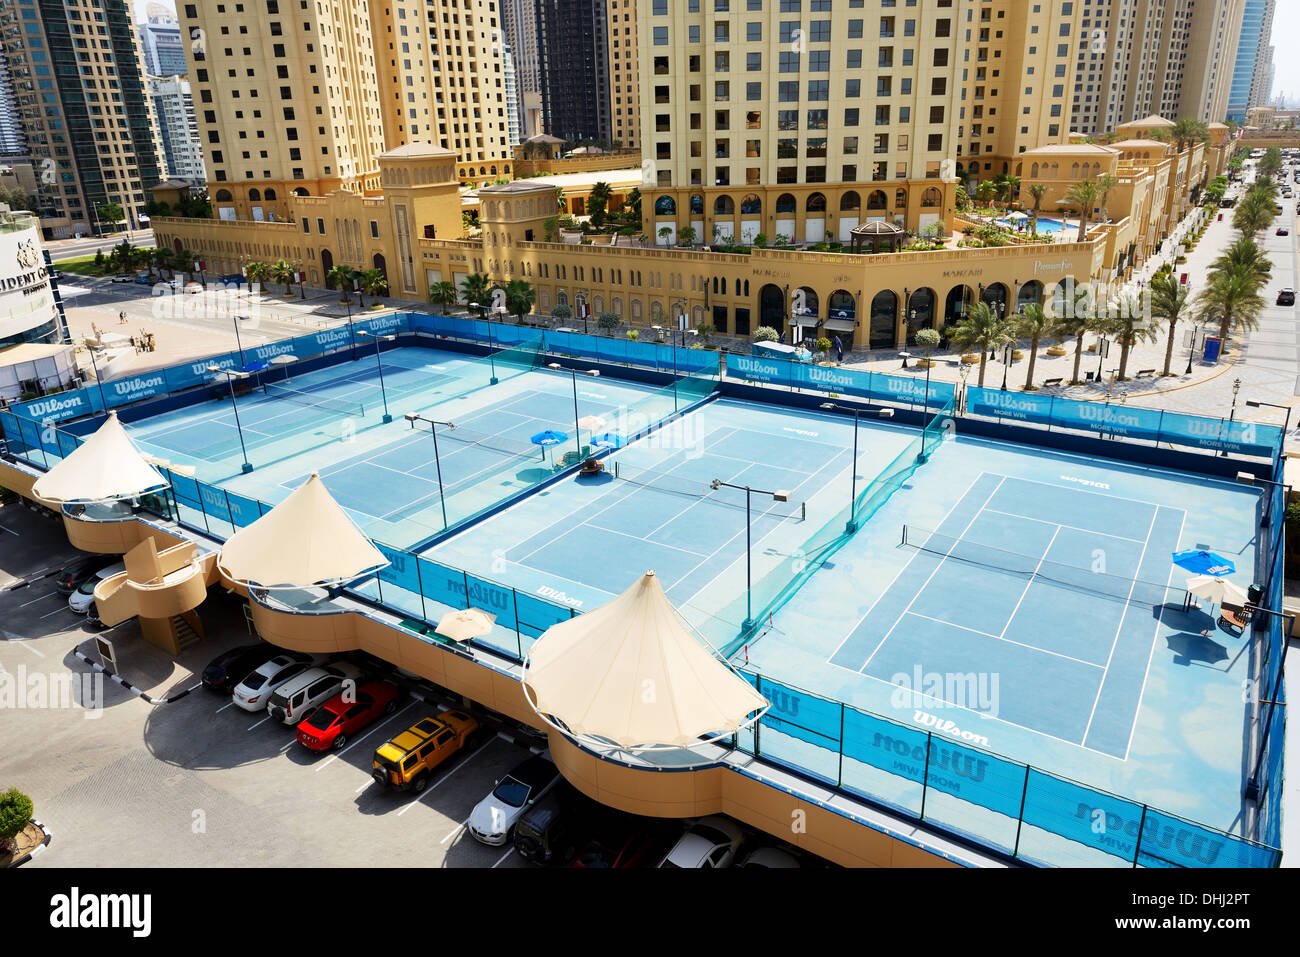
816, 203
876, 199
785, 203
697, 204
301, 191
254, 195
724, 205
1074, 171
1033, 171
900, 199
223, 196
269, 195
850, 202
751, 205
931, 197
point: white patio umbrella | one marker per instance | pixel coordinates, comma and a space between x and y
592, 423
465, 624
1216, 590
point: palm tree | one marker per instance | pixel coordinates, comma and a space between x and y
1131, 326
981, 329
1230, 298
1245, 255
985, 192
1253, 213
1010, 186
1168, 300
520, 297
474, 288
598, 202
282, 272
1083, 195
443, 293
344, 277
1105, 183
1035, 324
160, 259
1074, 326
1037, 190
184, 260
257, 271
373, 282
1187, 131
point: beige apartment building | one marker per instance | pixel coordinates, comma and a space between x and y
1138, 57
624, 73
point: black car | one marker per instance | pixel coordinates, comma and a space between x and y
553, 829
93, 621
230, 668
80, 570
1286, 297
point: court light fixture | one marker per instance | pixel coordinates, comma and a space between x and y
231, 375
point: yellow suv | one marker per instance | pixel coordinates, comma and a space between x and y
406, 762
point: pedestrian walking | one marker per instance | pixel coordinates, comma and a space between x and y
121, 318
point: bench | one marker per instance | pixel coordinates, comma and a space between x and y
1145, 374
1049, 383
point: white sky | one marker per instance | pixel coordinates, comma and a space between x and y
1286, 28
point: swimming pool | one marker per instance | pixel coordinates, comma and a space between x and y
1045, 225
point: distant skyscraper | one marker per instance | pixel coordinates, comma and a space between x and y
573, 45
1250, 73
514, 119
160, 41
177, 128
12, 140
520, 20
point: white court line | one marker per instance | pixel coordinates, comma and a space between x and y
502, 858
1028, 584
1127, 604
1009, 641
433, 787
1087, 491
897, 575
926, 583
337, 754
1151, 654
1076, 528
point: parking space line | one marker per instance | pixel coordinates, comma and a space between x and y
290, 744
32, 648
10, 531
445, 777
48, 594
504, 856
262, 722
324, 764
50, 614
228, 704
459, 827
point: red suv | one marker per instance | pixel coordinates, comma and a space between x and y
330, 725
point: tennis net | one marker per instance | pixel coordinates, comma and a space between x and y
339, 406
698, 488
1092, 579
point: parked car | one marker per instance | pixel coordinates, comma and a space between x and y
251, 693
330, 725
710, 842
144, 279
74, 574
493, 819
1286, 297
1283, 231
773, 857
552, 830
628, 841
231, 667
93, 621
123, 279
406, 762
194, 288
80, 600
305, 692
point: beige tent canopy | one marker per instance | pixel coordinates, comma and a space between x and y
305, 540
106, 467
632, 672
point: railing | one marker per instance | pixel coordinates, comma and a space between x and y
1025, 813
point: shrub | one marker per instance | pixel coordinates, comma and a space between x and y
607, 321
633, 335
761, 240
822, 344
765, 334
15, 812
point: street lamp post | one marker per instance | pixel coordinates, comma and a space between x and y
238, 343
781, 495
347, 301
414, 417
1232, 413
851, 526
1255, 404
95, 366
380, 362
1008, 356
230, 378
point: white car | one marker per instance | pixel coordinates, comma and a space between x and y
81, 599
252, 693
308, 690
770, 857
709, 842
493, 818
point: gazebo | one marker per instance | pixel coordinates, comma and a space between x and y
879, 233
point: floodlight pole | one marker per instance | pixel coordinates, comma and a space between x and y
380, 362
94, 365
234, 405
851, 526
414, 417
777, 496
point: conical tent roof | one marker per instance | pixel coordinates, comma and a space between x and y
631, 672
105, 467
305, 540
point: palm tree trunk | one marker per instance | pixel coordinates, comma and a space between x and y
1078, 357
1225, 324
1169, 348
1033, 357
1123, 357
1083, 227
984, 358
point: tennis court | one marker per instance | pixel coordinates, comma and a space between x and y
589, 538
387, 474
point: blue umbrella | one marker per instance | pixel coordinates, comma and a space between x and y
1200, 562
548, 438
609, 440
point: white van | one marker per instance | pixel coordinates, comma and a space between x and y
81, 599
304, 693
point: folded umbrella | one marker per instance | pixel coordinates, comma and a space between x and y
465, 624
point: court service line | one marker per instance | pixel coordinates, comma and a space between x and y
1010, 641
898, 574
1151, 654
930, 577
1041, 558
1076, 528
1127, 604
1088, 491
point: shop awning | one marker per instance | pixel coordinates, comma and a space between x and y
840, 325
